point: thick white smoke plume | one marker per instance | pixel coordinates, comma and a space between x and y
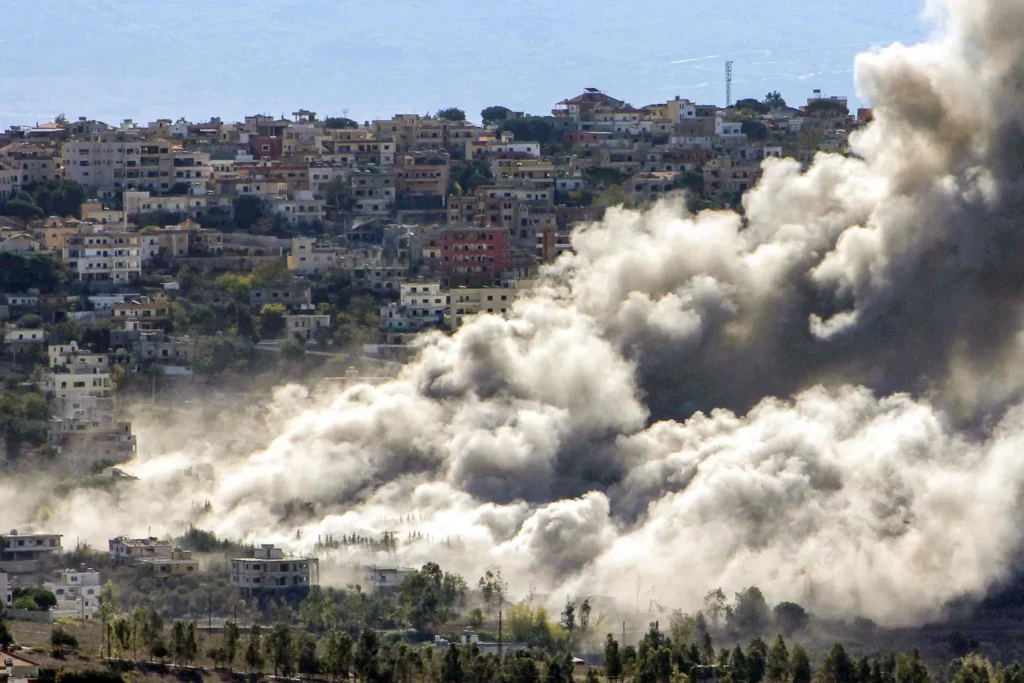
818, 397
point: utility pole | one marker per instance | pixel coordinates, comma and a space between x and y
499, 635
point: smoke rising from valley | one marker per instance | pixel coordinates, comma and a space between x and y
820, 397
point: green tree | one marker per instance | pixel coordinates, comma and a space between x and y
568, 620
365, 661
62, 641
451, 114
716, 606
254, 651
494, 114
790, 617
757, 654
231, 636
335, 122
25, 602
493, 588
754, 130
613, 196
179, 646
154, 631
777, 666
738, 665
338, 654
292, 350
25, 209
801, 665
911, 669
6, 638
280, 649
247, 209
108, 610
838, 667
612, 660
272, 322
972, 669
308, 664
753, 105
774, 100
750, 614
138, 621
451, 667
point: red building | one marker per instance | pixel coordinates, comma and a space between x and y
472, 256
265, 148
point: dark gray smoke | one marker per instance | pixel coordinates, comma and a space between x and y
879, 295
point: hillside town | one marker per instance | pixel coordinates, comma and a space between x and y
145, 258
168, 259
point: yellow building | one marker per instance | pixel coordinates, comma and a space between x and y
180, 562
465, 302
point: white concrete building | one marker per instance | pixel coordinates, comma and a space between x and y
269, 569
305, 326
21, 552
309, 256
77, 593
425, 301
71, 357
5, 589
78, 381
110, 256
384, 579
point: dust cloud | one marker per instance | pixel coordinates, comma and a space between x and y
820, 397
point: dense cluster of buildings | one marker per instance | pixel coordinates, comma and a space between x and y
441, 219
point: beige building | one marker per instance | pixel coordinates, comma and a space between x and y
305, 326
269, 569
142, 202
309, 256
180, 562
466, 302
115, 162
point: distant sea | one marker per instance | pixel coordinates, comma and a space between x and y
148, 59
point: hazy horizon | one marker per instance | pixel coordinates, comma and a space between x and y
114, 60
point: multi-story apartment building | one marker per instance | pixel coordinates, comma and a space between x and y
421, 179
77, 593
71, 356
421, 304
308, 256
116, 162
85, 432
179, 563
78, 381
269, 569
140, 202
124, 550
20, 553
34, 163
473, 256
372, 192
10, 180
465, 302
103, 256
141, 313
301, 207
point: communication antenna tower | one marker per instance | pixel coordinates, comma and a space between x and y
728, 83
